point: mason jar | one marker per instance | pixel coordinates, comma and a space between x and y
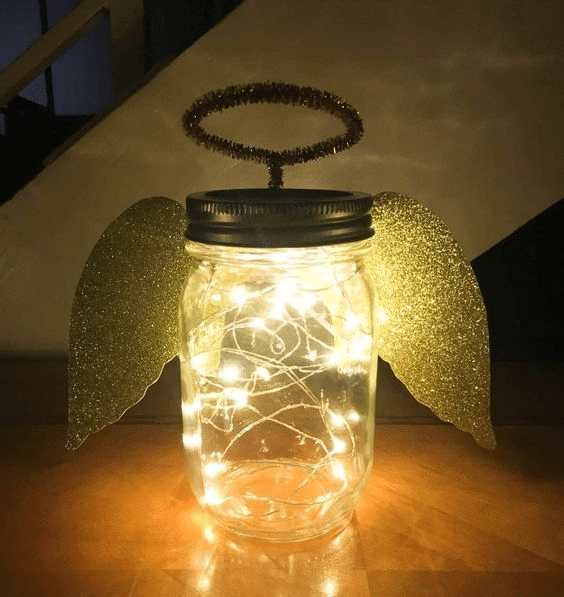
278, 359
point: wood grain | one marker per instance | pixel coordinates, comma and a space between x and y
440, 516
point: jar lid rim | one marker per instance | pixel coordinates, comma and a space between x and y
278, 217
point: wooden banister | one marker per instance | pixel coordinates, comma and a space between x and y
127, 38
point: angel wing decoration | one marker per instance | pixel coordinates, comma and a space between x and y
431, 317
124, 319
433, 329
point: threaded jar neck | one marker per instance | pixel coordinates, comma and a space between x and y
270, 218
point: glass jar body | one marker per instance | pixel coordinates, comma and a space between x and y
278, 370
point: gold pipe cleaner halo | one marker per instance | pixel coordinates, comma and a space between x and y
273, 93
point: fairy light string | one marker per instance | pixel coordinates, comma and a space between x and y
239, 389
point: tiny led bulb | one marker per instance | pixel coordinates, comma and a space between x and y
239, 295
212, 469
329, 588
337, 420
190, 409
335, 358
338, 470
258, 323
191, 440
263, 373
230, 373
240, 397
353, 416
209, 534
339, 446
197, 361
212, 497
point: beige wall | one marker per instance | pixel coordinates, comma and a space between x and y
462, 103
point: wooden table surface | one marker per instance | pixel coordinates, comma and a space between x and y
440, 516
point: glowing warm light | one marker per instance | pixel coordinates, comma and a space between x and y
304, 302
212, 497
239, 396
258, 323
239, 295
190, 409
212, 469
337, 420
280, 256
339, 446
353, 416
197, 361
338, 470
360, 354
230, 373
286, 290
209, 534
362, 343
277, 311
274, 404
278, 303
325, 500
329, 588
233, 546
335, 358
191, 440
352, 321
382, 315
204, 584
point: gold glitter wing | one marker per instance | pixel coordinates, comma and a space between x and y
124, 320
431, 316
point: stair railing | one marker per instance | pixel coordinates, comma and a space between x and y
127, 35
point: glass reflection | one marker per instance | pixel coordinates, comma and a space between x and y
321, 567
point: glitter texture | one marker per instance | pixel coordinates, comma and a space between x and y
273, 93
124, 321
432, 321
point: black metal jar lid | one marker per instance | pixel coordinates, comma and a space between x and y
278, 217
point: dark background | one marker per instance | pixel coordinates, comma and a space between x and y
79, 84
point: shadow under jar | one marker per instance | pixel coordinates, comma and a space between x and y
278, 359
